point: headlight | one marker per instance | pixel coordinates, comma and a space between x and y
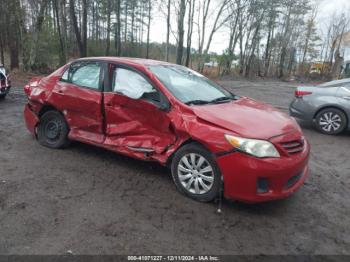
258, 148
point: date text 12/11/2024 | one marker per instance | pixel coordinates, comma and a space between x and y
173, 258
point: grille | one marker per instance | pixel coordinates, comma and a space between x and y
293, 147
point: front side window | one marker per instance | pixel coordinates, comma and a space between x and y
189, 86
133, 85
84, 74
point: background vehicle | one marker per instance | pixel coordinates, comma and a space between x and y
162, 112
5, 83
211, 64
326, 105
318, 67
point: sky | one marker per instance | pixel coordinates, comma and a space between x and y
220, 41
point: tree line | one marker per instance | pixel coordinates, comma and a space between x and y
270, 38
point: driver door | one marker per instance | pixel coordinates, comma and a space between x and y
134, 121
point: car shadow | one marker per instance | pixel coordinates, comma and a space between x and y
119, 159
266, 208
163, 175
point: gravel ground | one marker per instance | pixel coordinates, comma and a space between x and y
91, 201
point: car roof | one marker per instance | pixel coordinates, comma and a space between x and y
336, 82
129, 60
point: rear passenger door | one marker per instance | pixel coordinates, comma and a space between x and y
78, 95
135, 119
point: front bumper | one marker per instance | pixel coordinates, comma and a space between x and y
30, 119
281, 177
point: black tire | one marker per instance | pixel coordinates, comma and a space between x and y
53, 130
199, 151
334, 127
2, 96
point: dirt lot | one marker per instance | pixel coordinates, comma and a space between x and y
92, 201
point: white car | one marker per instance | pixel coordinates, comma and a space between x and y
211, 64
5, 83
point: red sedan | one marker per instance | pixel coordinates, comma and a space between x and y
162, 112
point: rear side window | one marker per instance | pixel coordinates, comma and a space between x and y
84, 74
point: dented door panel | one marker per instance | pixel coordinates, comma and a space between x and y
81, 106
136, 124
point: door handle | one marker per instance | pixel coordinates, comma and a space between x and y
109, 104
60, 91
346, 97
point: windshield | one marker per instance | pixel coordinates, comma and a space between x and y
189, 86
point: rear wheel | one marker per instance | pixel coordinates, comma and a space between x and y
331, 121
53, 130
196, 173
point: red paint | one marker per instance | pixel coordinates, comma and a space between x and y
299, 93
119, 123
241, 172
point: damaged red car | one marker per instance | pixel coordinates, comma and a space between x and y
210, 138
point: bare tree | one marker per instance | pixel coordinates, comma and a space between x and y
180, 31
109, 11
118, 28
168, 31
148, 27
76, 28
191, 10
219, 20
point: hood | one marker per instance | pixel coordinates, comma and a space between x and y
248, 118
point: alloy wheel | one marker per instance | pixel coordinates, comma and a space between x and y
330, 122
195, 174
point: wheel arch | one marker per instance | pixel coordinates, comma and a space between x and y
332, 107
46, 108
186, 142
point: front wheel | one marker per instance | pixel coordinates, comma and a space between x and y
331, 121
196, 173
53, 130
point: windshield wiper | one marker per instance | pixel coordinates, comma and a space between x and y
197, 102
222, 99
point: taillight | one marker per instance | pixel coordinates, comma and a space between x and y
299, 93
27, 90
